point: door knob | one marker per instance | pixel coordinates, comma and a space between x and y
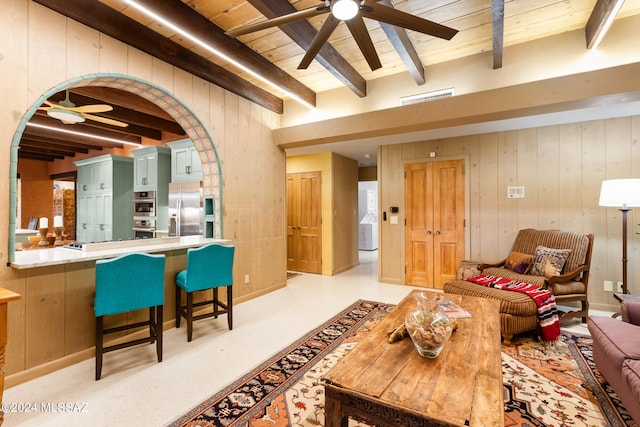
437, 232
429, 233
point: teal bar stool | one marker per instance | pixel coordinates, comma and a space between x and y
129, 282
208, 267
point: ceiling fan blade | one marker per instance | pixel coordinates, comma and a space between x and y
94, 108
361, 35
105, 120
405, 20
280, 20
319, 40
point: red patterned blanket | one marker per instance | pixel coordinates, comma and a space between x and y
548, 320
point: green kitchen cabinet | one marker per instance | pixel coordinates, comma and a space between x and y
152, 168
185, 161
104, 209
152, 172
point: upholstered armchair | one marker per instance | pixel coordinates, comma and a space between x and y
569, 283
556, 260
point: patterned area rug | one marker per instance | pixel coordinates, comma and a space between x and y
543, 385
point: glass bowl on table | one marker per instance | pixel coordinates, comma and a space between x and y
428, 326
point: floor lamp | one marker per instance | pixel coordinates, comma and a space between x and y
623, 194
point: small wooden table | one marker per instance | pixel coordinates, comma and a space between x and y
620, 297
391, 384
5, 296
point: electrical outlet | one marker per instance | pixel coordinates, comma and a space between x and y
608, 285
619, 287
246, 279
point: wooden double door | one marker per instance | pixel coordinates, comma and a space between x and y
304, 222
434, 229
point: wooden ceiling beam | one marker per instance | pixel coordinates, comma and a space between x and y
399, 38
44, 144
114, 24
33, 153
497, 24
47, 151
118, 97
46, 139
303, 33
184, 16
597, 22
125, 108
35, 156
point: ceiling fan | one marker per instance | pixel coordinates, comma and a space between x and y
67, 112
352, 12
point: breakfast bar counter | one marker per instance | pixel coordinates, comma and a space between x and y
93, 251
53, 324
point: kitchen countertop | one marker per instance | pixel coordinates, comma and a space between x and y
60, 255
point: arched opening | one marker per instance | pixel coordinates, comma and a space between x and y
212, 182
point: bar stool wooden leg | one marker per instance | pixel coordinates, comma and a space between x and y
158, 328
230, 307
99, 329
189, 316
152, 322
215, 302
178, 303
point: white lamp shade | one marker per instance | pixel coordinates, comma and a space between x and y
620, 193
344, 9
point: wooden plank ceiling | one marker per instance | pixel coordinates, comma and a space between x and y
483, 25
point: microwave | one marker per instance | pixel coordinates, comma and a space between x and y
144, 203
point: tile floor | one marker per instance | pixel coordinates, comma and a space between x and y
135, 390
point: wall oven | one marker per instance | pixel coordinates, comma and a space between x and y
144, 203
144, 228
144, 212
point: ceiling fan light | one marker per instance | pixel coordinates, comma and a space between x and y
344, 9
65, 115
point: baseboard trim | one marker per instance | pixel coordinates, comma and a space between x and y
47, 368
89, 353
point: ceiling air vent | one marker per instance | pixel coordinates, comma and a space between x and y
429, 96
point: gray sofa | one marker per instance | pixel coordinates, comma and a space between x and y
616, 352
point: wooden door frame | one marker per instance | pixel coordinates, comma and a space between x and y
467, 210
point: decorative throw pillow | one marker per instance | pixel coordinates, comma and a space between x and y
549, 262
518, 262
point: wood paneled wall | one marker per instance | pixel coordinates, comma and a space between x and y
561, 168
41, 50
345, 211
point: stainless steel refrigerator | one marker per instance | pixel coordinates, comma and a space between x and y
186, 215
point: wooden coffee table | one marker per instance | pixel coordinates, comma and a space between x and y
392, 385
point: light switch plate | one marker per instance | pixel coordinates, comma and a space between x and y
515, 192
